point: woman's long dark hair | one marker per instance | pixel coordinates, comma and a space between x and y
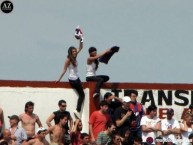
90, 50
70, 56
97, 63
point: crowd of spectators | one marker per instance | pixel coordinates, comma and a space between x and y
119, 121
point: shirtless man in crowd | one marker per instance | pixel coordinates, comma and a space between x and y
39, 139
57, 132
29, 119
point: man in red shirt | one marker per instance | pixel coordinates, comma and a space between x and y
98, 120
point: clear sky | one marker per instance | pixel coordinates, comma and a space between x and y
155, 39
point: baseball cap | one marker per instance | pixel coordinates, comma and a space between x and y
41, 129
170, 111
13, 117
126, 99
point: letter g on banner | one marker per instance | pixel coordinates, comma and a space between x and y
6, 6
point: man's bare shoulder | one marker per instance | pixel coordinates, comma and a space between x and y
50, 129
33, 115
21, 115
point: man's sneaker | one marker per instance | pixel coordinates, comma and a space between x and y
95, 95
76, 114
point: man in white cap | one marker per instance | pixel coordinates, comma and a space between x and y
123, 116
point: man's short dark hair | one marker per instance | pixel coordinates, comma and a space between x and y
61, 101
61, 116
109, 124
92, 49
151, 108
29, 103
83, 135
129, 92
107, 95
103, 103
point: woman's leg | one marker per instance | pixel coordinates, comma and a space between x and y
105, 78
100, 79
77, 85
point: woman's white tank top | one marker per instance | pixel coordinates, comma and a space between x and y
90, 69
73, 71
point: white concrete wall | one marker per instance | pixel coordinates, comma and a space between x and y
13, 99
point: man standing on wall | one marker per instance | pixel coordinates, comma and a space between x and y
29, 119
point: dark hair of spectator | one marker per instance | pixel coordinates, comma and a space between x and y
28, 104
107, 95
129, 92
61, 116
109, 124
60, 102
90, 50
151, 108
113, 136
83, 135
103, 103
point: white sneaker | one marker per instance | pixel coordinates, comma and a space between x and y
76, 114
96, 95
